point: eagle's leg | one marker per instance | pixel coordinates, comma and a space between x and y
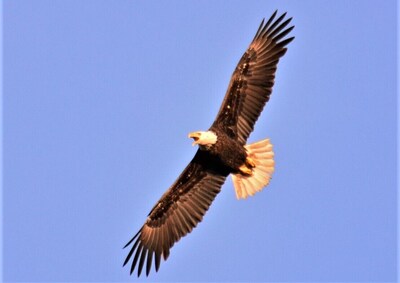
250, 162
247, 167
245, 170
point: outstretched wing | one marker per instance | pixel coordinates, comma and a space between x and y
252, 81
177, 212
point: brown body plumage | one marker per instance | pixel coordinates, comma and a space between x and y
228, 151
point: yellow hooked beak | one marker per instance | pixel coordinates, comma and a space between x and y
196, 136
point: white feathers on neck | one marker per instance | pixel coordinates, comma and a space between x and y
207, 138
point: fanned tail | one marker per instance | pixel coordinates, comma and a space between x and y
263, 157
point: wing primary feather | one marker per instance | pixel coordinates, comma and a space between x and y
166, 253
161, 237
270, 20
168, 231
132, 249
165, 245
139, 249
285, 42
163, 241
133, 238
128, 257
283, 34
149, 260
259, 30
171, 231
144, 236
141, 262
278, 53
263, 31
150, 240
157, 260
156, 239
265, 27
131, 252
280, 27
266, 60
278, 20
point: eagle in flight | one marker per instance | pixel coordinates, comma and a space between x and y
222, 151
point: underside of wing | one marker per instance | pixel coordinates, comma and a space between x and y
252, 81
178, 211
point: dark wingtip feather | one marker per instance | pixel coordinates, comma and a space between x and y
278, 29
271, 19
270, 28
278, 20
283, 34
268, 23
139, 249
131, 240
273, 15
157, 261
141, 262
261, 24
259, 29
149, 260
128, 257
285, 42
131, 251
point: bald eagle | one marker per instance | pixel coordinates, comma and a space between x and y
222, 151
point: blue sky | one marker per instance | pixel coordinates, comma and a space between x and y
99, 97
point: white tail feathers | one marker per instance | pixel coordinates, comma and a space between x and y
263, 157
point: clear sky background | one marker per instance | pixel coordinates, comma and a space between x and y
99, 97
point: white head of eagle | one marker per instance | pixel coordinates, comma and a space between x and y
204, 139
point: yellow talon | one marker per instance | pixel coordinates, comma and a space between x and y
250, 162
245, 170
